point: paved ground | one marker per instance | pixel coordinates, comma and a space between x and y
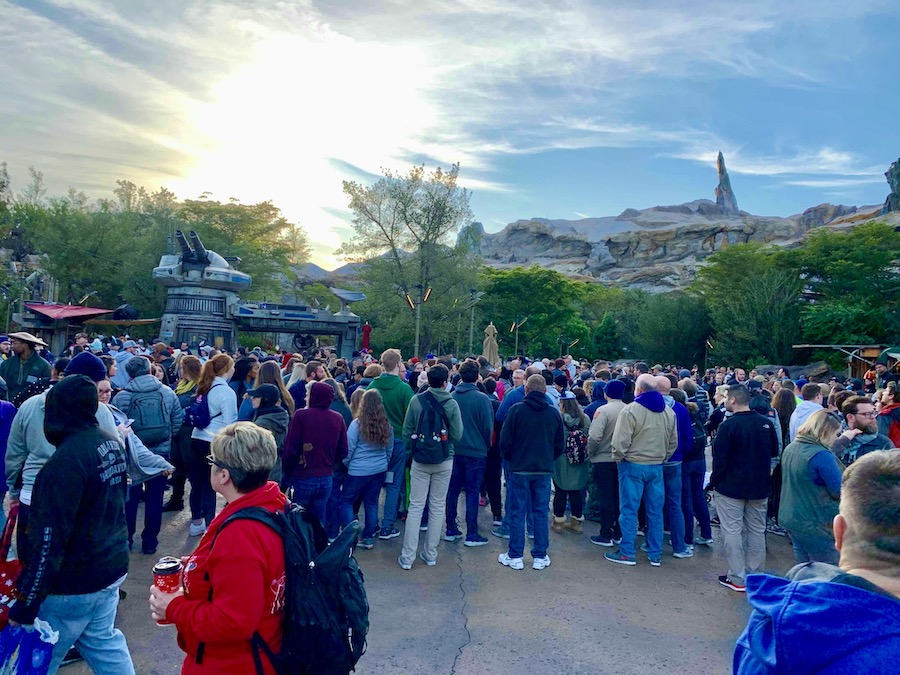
468, 614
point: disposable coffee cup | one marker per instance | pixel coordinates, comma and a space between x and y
167, 577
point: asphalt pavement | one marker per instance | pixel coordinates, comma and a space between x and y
469, 614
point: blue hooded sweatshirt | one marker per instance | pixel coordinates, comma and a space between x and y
597, 398
818, 620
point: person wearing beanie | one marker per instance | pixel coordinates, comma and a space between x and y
81, 558
604, 468
28, 449
269, 414
5, 346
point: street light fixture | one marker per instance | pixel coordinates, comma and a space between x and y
415, 304
515, 327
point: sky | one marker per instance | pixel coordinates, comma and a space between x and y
560, 109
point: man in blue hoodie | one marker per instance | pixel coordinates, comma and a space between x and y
844, 619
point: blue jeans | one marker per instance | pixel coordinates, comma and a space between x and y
637, 481
693, 500
333, 509
814, 549
529, 520
673, 489
467, 471
522, 490
87, 622
312, 494
397, 465
153, 491
369, 487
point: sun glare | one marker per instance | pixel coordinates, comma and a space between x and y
274, 127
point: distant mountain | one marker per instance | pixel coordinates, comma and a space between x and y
311, 272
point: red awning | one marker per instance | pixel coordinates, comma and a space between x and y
65, 312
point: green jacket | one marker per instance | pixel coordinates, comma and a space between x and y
20, 374
451, 407
806, 508
572, 476
396, 395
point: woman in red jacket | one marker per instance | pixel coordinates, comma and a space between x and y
234, 589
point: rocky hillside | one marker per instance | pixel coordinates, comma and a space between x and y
659, 248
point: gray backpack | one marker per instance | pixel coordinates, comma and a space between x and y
151, 424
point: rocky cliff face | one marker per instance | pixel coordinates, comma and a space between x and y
660, 248
656, 249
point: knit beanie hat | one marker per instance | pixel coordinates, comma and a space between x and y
87, 364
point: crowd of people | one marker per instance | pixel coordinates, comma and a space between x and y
548, 445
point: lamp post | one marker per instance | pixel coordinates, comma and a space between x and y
515, 327
422, 295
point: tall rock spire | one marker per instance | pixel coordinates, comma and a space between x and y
724, 194
892, 203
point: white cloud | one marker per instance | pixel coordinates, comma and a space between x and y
263, 100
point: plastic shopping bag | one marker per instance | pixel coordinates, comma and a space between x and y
27, 650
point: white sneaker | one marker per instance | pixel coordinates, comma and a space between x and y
404, 565
197, 530
541, 563
512, 563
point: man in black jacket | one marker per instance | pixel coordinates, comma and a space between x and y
531, 439
81, 556
742, 452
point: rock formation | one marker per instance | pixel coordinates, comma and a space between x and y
892, 203
724, 194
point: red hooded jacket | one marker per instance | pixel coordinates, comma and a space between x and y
889, 423
316, 439
232, 591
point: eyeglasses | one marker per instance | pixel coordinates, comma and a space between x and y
218, 463
871, 413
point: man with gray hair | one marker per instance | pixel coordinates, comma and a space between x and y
646, 435
157, 416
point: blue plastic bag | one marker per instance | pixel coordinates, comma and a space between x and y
27, 650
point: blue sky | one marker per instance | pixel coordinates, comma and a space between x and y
560, 109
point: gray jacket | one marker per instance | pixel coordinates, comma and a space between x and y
28, 449
143, 463
173, 410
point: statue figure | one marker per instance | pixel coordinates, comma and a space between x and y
724, 194
489, 347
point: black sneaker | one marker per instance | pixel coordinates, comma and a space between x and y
715, 521
388, 533
730, 584
72, 656
173, 506
601, 541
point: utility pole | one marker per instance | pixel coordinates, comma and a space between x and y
517, 324
474, 298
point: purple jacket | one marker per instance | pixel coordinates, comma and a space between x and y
316, 438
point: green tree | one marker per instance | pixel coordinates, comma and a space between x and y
551, 301
404, 228
753, 304
672, 328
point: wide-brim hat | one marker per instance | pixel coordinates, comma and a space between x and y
28, 337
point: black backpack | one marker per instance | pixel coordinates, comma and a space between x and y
430, 444
151, 424
326, 613
699, 433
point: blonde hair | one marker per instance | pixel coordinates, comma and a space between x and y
721, 392
248, 451
356, 400
373, 370
822, 426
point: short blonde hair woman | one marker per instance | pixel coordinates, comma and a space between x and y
235, 584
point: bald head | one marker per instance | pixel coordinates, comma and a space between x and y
663, 385
532, 370
644, 384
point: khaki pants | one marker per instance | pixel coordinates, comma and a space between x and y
743, 526
426, 482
